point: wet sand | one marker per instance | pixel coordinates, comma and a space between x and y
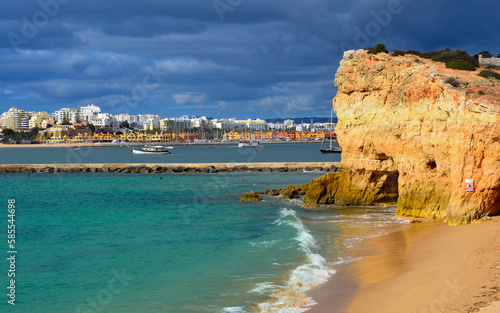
426, 267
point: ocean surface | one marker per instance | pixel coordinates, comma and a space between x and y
293, 152
115, 243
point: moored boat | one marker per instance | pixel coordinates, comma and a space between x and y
152, 150
331, 149
248, 143
327, 147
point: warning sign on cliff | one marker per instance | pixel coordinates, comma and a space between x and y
469, 185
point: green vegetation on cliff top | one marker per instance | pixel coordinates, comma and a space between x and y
455, 59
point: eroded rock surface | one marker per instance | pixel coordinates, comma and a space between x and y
408, 134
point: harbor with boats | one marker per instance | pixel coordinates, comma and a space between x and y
181, 153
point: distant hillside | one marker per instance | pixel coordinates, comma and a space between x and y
299, 120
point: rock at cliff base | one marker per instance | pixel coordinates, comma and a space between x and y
250, 197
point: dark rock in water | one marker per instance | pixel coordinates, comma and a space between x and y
272, 192
113, 169
308, 169
156, 169
289, 193
93, 169
168, 170
333, 169
191, 170
178, 169
266, 170
144, 170
302, 189
250, 197
281, 169
240, 168
224, 170
125, 170
211, 169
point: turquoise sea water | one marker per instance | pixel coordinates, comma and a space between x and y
295, 152
184, 243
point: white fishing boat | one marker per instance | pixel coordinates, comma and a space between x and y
152, 150
248, 143
326, 146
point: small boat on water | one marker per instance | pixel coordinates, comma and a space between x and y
326, 146
75, 148
249, 143
331, 150
152, 150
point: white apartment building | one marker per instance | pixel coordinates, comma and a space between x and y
277, 126
66, 114
15, 119
106, 120
257, 124
290, 123
176, 124
89, 112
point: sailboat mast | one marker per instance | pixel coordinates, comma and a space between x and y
330, 132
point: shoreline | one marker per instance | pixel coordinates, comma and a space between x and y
110, 144
423, 267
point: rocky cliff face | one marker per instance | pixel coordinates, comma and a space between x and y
413, 131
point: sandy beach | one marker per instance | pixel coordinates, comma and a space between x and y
424, 267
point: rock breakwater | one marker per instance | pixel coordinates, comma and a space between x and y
170, 168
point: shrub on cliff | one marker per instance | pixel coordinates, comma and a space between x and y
447, 55
452, 81
489, 74
377, 49
414, 52
460, 65
397, 52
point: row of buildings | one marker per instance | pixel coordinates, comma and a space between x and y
76, 136
17, 119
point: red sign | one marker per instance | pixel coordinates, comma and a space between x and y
469, 185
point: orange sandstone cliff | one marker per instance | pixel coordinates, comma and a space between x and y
412, 131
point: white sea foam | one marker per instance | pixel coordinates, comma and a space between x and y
292, 297
264, 288
234, 309
265, 243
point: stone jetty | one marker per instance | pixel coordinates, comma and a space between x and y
172, 168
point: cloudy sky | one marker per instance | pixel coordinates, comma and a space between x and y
220, 58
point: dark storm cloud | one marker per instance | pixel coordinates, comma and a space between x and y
244, 58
